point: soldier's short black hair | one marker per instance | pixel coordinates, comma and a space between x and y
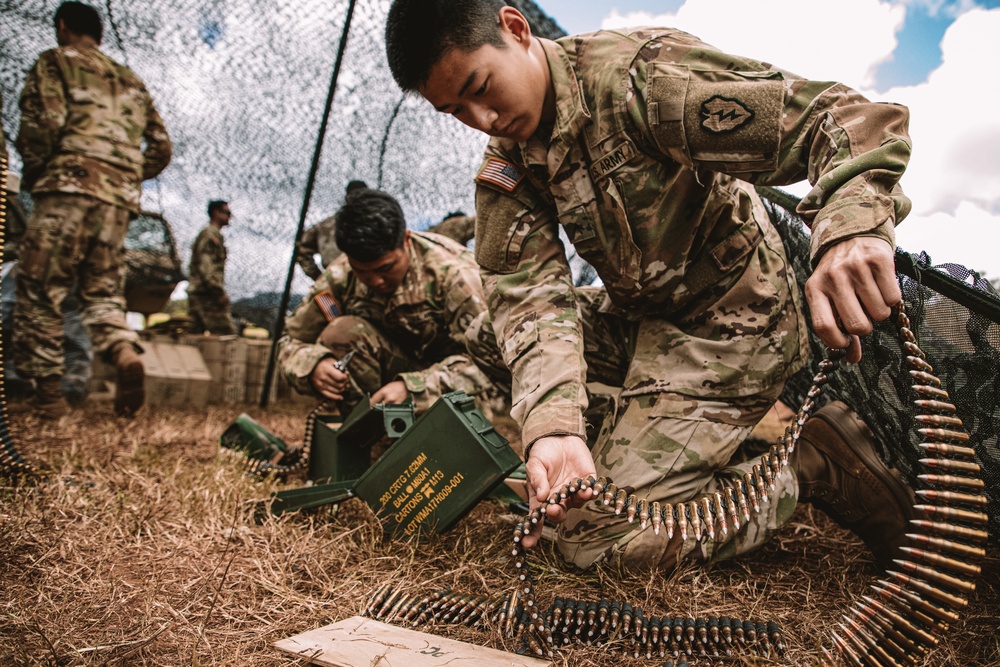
216, 205
355, 185
419, 32
80, 19
370, 224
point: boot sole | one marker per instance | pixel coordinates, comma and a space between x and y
131, 391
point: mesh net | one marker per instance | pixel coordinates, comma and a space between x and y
242, 87
962, 345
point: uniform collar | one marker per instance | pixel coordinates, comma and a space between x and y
572, 114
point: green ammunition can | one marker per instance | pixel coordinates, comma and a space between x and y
341, 450
437, 470
249, 437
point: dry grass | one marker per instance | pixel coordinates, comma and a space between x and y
140, 549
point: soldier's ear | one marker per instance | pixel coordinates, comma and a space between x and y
514, 23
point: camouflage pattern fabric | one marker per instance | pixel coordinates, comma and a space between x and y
209, 314
15, 224
83, 120
460, 228
208, 302
672, 448
646, 169
417, 334
78, 355
71, 239
317, 240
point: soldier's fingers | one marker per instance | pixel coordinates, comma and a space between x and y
824, 320
538, 480
853, 351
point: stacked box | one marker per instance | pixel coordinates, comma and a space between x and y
226, 359
176, 375
258, 353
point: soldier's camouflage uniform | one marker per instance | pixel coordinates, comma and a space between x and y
652, 130
83, 119
461, 228
207, 300
417, 334
320, 239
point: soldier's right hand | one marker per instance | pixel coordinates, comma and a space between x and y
328, 380
552, 462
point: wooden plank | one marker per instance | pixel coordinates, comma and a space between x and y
359, 641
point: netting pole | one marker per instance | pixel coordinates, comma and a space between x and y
279, 320
385, 138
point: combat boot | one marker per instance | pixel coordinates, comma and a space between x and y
130, 392
840, 472
48, 401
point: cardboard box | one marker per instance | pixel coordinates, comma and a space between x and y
219, 349
226, 359
254, 391
175, 375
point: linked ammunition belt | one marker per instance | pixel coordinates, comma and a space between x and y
298, 458
11, 463
911, 606
621, 627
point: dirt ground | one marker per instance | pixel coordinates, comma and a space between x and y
139, 547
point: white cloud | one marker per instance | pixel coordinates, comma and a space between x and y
954, 176
802, 36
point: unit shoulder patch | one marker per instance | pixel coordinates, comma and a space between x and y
500, 173
721, 114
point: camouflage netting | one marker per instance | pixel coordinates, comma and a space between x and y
242, 87
962, 345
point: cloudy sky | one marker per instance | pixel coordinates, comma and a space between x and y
934, 56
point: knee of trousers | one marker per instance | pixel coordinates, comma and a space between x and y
599, 536
344, 331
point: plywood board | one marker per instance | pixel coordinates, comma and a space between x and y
359, 641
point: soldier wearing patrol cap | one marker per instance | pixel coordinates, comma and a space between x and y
643, 144
84, 119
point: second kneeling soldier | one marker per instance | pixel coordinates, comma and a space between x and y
403, 301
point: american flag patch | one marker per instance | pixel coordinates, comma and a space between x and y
501, 173
327, 305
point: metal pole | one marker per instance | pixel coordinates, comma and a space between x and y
279, 320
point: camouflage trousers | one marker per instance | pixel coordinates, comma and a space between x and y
379, 360
664, 447
209, 316
71, 239
670, 448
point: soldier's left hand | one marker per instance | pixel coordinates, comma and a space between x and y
392, 393
853, 284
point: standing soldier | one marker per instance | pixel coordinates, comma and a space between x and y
320, 239
83, 120
208, 302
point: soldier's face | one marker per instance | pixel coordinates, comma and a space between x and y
501, 92
385, 274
